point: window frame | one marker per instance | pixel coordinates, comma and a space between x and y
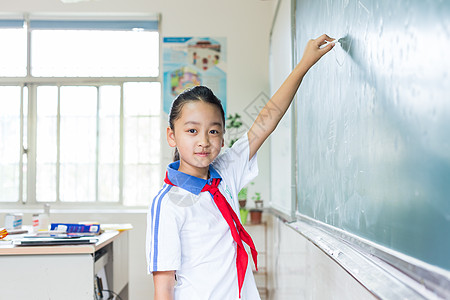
27, 182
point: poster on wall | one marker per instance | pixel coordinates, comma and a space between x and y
191, 61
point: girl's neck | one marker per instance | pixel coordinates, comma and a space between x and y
194, 171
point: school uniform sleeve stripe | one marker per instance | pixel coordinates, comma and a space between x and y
153, 208
156, 210
149, 235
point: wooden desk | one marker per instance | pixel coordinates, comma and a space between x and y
64, 272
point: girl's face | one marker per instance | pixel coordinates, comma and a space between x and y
198, 135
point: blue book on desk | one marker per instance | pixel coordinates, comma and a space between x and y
71, 227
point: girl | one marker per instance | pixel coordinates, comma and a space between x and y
194, 238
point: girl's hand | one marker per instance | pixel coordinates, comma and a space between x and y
313, 52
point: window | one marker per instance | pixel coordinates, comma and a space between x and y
79, 111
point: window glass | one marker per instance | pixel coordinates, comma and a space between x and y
9, 143
109, 144
141, 141
46, 143
78, 123
94, 53
142, 99
141, 182
13, 53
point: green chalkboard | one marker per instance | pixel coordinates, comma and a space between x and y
373, 123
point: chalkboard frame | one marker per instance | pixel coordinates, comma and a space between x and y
276, 206
434, 279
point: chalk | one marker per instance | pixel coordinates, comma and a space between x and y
329, 42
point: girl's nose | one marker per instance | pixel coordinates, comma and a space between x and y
203, 140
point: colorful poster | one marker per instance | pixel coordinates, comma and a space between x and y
191, 61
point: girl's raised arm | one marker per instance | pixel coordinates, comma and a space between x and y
271, 114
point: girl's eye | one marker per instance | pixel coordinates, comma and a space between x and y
214, 131
192, 131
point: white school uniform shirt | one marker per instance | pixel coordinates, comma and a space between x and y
187, 233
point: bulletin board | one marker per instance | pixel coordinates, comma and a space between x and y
192, 61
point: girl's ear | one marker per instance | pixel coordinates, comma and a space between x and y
171, 137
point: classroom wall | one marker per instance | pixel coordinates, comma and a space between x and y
300, 270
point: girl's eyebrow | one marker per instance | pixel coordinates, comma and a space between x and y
191, 123
216, 123
198, 123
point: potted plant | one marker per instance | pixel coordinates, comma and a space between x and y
257, 200
242, 197
256, 213
234, 122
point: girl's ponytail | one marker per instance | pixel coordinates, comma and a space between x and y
176, 155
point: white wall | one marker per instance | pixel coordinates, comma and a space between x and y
246, 24
300, 270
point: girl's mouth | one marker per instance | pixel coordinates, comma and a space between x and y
202, 154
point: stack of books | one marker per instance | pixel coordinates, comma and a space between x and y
62, 234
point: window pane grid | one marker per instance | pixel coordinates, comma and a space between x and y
89, 145
83, 137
